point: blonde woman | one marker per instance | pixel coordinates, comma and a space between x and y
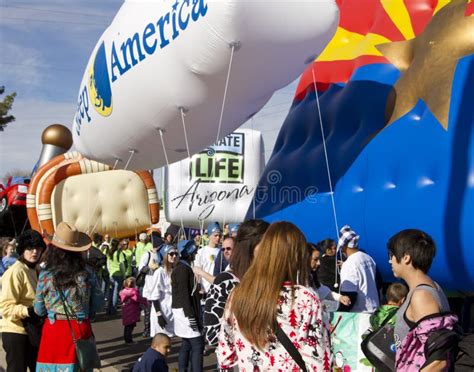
273, 301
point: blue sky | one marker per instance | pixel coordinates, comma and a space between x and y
45, 46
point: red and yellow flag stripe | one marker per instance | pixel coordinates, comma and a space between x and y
363, 25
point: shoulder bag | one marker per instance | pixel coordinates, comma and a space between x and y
379, 346
86, 349
290, 348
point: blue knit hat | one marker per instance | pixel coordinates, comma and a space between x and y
233, 228
186, 248
213, 227
164, 250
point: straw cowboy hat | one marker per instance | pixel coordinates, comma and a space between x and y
67, 237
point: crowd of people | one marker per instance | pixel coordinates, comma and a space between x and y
258, 294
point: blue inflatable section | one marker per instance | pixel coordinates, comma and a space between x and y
411, 174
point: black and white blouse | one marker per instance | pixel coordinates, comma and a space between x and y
216, 299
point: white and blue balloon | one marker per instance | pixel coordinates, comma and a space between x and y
160, 72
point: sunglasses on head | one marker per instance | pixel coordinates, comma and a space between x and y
224, 249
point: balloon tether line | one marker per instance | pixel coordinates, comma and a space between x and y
167, 161
333, 202
132, 152
183, 114
233, 46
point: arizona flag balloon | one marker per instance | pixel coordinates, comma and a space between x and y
395, 91
171, 77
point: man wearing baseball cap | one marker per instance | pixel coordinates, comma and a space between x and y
357, 274
143, 246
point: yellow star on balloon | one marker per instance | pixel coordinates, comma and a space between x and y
427, 63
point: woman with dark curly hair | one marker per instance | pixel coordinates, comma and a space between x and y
68, 295
16, 303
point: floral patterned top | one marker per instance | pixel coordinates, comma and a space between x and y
301, 320
85, 299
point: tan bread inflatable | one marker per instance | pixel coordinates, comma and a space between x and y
91, 196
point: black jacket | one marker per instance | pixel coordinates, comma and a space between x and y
185, 292
327, 272
95, 258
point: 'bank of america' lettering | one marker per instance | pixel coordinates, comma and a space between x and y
159, 34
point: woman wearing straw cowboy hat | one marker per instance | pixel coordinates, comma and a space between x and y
68, 294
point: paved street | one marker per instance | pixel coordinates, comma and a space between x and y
116, 355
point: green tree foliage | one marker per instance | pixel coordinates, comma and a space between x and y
5, 107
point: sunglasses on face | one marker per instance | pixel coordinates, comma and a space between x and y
225, 249
172, 254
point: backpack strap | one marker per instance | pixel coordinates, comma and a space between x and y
124, 260
387, 319
149, 258
290, 347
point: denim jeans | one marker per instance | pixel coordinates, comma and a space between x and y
104, 285
115, 287
191, 354
146, 320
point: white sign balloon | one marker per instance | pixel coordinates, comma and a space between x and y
216, 184
161, 70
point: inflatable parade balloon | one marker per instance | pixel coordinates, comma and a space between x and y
171, 77
56, 140
394, 91
216, 184
91, 196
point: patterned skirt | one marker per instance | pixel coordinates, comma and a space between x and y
57, 352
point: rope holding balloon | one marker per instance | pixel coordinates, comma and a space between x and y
132, 152
326, 157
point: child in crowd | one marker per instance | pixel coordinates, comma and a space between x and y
131, 300
9, 255
396, 294
154, 359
